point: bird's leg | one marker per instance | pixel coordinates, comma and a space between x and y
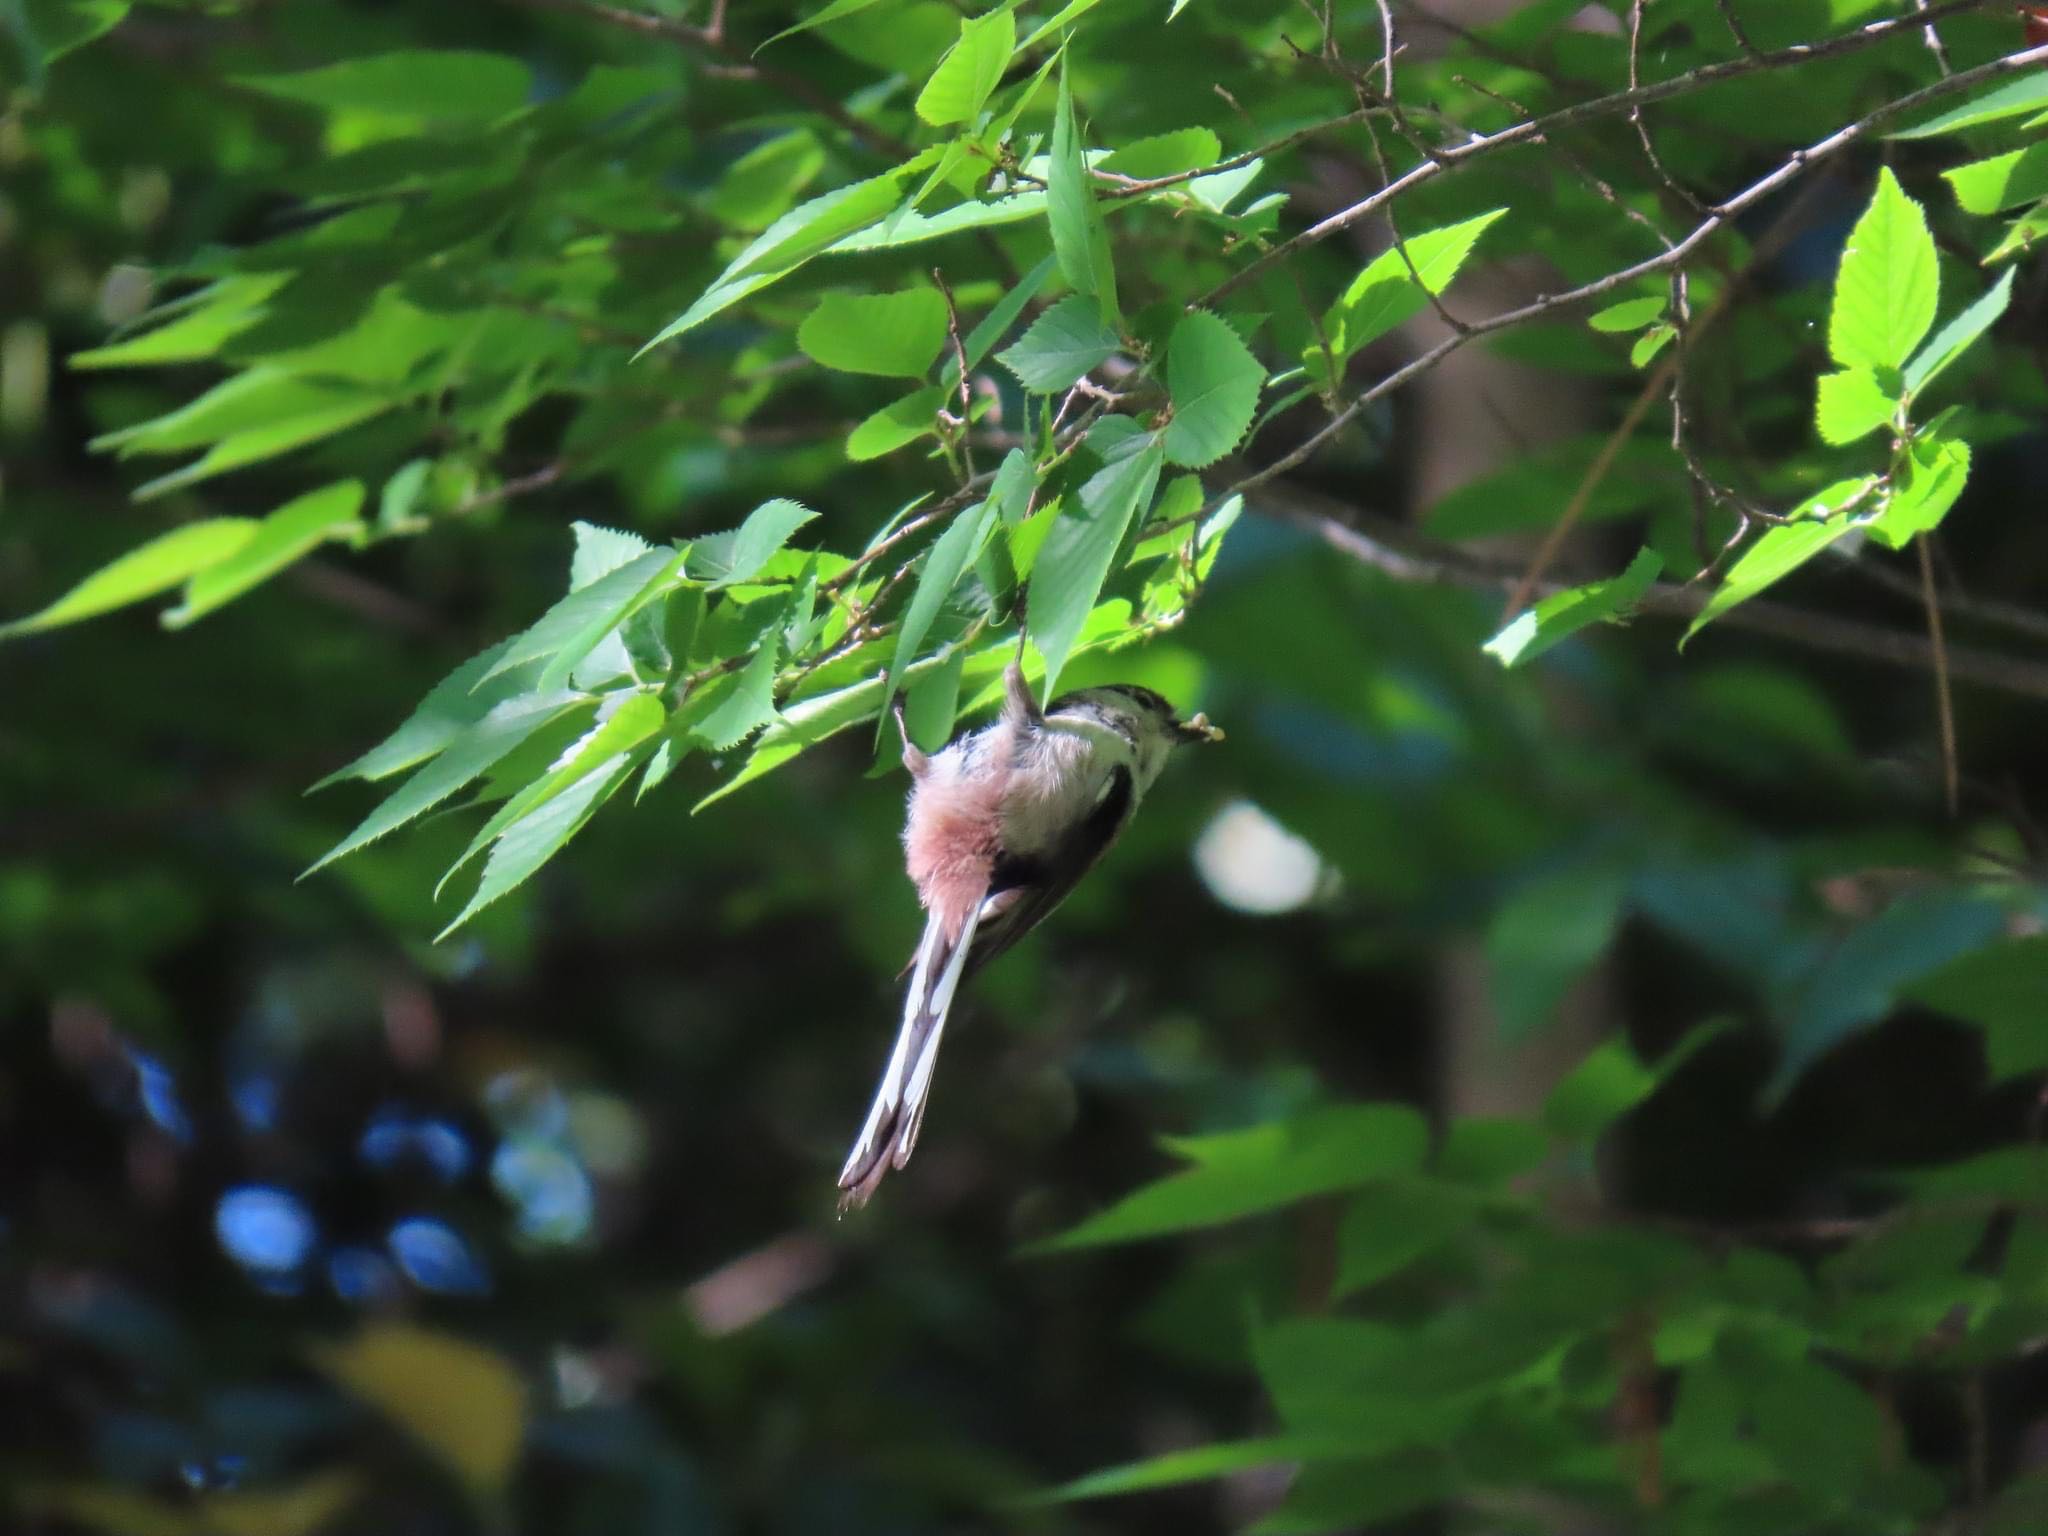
1019, 707
914, 757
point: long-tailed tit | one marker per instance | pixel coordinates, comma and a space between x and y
1002, 823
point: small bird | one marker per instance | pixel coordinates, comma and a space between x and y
1002, 823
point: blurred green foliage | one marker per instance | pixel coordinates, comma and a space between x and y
1529, 1080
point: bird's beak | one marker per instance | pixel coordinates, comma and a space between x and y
1199, 729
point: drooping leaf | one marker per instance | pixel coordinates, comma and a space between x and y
585, 616
1387, 1226
292, 531
1214, 382
458, 701
1563, 614
1242, 1173
1079, 235
1782, 550
1888, 283
1385, 294
1060, 346
1851, 404
144, 571
1949, 343
527, 844
221, 310
995, 325
894, 334
1074, 561
823, 16
1201, 1463
469, 752
1924, 487
951, 553
971, 69
1650, 343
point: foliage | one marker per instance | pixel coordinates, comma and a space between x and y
708, 377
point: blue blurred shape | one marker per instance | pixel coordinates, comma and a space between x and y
395, 1136
257, 1095
266, 1230
548, 1187
158, 1091
435, 1258
362, 1275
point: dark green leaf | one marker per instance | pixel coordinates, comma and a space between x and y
1079, 235
2003, 990
1074, 561
951, 554
1546, 936
1214, 383
1060, 346
440, 83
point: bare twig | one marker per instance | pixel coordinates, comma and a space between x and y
1635, 113
959, 358
1735, 28
1951, 773
1935, 46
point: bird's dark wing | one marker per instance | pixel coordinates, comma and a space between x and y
1024, 890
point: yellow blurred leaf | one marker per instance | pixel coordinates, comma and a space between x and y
297, 1511
464, 1403
114, 1510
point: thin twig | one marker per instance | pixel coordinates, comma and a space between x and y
1635, 113
1935, 46
1735, 28
1951, 772
960, 358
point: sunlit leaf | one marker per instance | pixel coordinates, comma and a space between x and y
1888, 284
1214, 382
1926, 485
144, 571
291, 532
1949, 343
1074, 561
1563, 614
896, 334
1851, 404
1782, 550
971, 69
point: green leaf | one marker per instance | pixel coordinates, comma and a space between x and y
1564, 614
469, 753
785, 245
1782, 550
49, 29
2021, 235
216, 314
1851, 404
758, 188
2003, 181
916, 228
144, 571
1060, 346
951, 553
1079, 236
2029, 93
997, 322
635, 718
534, 839
1612, 1081
1544, 937
291, 532
585, 616
729, 710
1074, 561
1888, 283
1628, 315
1650, 343
1245, 1173
1958, 336
820, 17
899, 422
727, 559
1924, 487
445, 84
1201, 1463
1011, 491
1214, 383
894, 334
2003, 990
454, 704
1165, 154
1385, 294
971, 69
1387, 1227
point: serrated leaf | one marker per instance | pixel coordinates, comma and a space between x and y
1073, 563
1958, 336
1783, 549
585, 616
951, 553
455, 703
1628, 315
1385, 294
899, 422
2029, 93
469, 753
997, 322
893, 334
1060, 346
530, 842
1563, 614
1079, 236
1888, 283
970, 70
1243, 1173
600, 551
2001, 182
144, 571
638, 717
1923, 490
1165, 154
727, 559
1214, 382
291, 532
1851, 404
729, 710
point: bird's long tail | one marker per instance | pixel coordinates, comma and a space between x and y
886, 1140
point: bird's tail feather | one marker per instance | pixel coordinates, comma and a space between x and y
893, 1121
